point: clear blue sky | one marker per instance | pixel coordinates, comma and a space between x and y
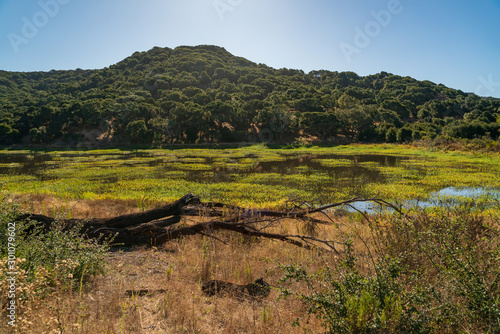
453, 42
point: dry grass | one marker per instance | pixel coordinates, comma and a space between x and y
419, 243
51, 206
180, 267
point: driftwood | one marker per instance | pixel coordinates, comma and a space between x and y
143, 292
256, 290
129, 230
160, 225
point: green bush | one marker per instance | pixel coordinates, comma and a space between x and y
61, 255
350, 301
434, 271
457, 252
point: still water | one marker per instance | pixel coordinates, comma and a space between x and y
321, 175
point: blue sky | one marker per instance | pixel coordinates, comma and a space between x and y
453, 42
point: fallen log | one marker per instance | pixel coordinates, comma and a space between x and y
158, 226
256, 290
143, 292
133, 219
129, 223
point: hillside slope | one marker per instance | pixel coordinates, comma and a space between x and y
205, 94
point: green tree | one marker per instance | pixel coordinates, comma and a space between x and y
322, 124
138, 132
8, 135
404, 135
275, 119
356, 123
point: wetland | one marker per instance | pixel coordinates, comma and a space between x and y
256, 176
429, 271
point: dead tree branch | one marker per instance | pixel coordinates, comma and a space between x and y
163, 224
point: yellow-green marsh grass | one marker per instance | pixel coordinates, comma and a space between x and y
254, 175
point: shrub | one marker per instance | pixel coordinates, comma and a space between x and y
431, 271
350, 301
59, 257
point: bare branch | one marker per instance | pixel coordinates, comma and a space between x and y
158, 226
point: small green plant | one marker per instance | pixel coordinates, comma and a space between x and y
58, 255
169, 271
436, 271
266, 314
247, 272
141, 203
349, 301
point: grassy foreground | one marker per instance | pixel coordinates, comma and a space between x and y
434, 271
431, 271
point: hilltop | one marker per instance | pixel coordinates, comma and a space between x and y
204, 94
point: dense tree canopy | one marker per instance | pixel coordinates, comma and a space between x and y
205, 94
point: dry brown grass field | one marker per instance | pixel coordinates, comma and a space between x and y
179, 267
434, 271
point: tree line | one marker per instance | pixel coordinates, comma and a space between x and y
204, 94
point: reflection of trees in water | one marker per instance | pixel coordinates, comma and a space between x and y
313, 164
354, 176
28, 164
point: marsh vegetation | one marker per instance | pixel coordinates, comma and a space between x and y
429, 269
249, 176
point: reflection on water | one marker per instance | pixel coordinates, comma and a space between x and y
461, 192
306, 164
321, 174
435, 199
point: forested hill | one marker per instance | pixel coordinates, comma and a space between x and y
204, 94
